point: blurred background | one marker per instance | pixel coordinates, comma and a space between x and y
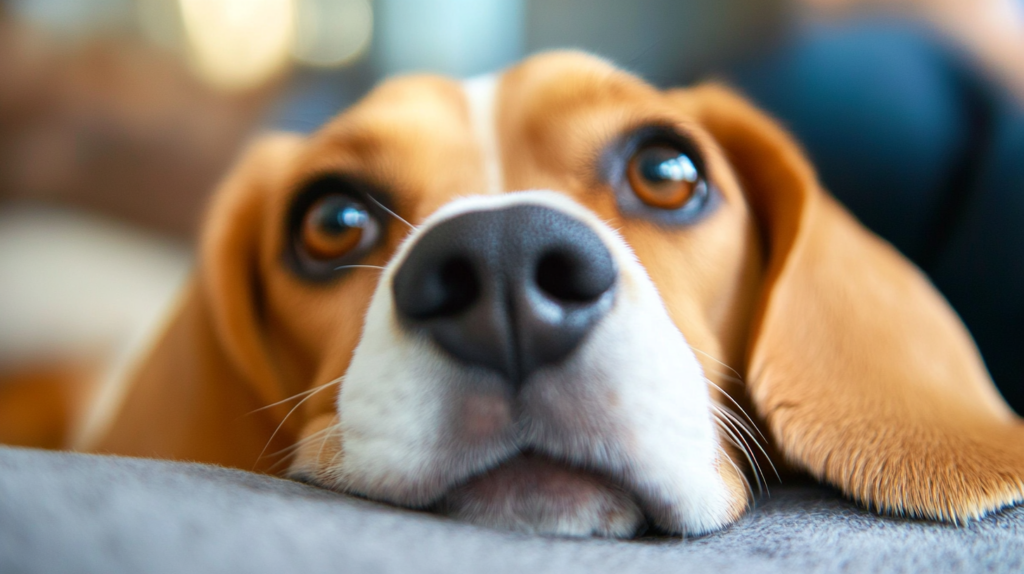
117, 117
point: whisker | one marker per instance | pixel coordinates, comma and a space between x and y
737, 405
727, 377
285, 457
334, 458
335, 427
295, 396
749, 454
746, 429
279, 425
378, 267
286, 452
742, 446
272, 469
298, 444
396, 216
324, 434
740, 473
736, 424
742, 424
715, 359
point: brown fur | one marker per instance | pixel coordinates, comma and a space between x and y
38, 402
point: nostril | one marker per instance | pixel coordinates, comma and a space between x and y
460, 285
450, 289
569, 279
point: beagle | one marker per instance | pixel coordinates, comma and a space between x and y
546, 300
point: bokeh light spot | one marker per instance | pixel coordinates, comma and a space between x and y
331, 32
238, 44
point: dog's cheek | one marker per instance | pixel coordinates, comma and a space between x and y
320, 322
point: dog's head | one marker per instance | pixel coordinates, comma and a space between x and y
514, 300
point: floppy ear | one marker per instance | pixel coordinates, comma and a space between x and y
194, 395
864, 374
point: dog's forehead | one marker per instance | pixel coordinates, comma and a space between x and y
540, 87
411, 137
565, 84
429, 139
557, 111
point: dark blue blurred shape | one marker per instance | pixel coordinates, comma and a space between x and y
926, 153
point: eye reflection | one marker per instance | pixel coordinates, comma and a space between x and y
334, 226
353, 217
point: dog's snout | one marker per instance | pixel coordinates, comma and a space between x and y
511, 289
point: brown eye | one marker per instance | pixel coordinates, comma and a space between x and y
664, 177
334, 226
334, 221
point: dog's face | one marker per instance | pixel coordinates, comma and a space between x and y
530, 354
521, 300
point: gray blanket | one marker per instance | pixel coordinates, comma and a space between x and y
63, 512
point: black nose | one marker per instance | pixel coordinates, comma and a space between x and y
511, 289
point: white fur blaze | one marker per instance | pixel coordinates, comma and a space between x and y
481, 96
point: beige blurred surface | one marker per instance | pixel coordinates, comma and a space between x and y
76, 285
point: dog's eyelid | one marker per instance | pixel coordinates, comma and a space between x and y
377, 194
359, 185
674, 128
670, 132
310, 191
673, 134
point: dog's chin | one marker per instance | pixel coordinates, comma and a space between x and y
534, 494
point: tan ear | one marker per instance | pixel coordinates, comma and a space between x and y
194, 396
865, 375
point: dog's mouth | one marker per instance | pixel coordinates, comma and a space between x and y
534, 493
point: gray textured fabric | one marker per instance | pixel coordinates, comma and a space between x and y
63, 512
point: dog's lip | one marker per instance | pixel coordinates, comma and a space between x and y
540, 463
559, 479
